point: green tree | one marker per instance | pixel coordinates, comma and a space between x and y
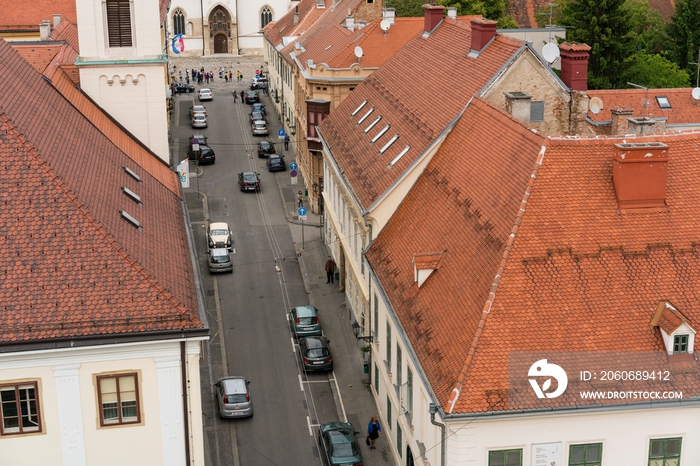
655, 71
605, 26
491, 9
684, 33
647, 27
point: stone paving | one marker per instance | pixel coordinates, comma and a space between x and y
246, 64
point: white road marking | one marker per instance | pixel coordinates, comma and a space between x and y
340, 398
301, 384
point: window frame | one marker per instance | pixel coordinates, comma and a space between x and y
137, 394
388, 411
506, 452
535, 107
265, 13
33, 384
585, 454
664, 458
108, 13
388, 347
179, 21
681, 341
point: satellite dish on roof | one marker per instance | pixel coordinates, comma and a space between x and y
696, 93
550, 52
596, 105
358, 52
385, 25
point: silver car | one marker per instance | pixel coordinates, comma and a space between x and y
233, 397
199, 120
220, 260
259, 128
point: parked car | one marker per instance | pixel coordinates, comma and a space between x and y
266, 148
258, 107
198, 109
304, 321
275, 163
201, 139
233, 397
219, 236
205, 155
259, 128
199, 120
181, 88
220, 260
205, 94
316, 353
338, 445
249, 181
258, 83
257, 116
252, 97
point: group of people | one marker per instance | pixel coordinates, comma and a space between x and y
205, 77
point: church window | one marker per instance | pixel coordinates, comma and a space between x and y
178, 22
265, 17
119, 23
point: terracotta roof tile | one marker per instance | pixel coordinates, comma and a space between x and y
66, 31
428, 260
668, 318
34, 12
308, 12
684, 109
70, 265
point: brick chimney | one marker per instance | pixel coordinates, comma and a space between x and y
483, 30
296, 15
45, 29
433, 15
639, 174
574, 65
619, 120
644, 125
518, 105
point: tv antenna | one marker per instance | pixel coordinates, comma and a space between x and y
550, 52
646, 99
385, 25
697, 76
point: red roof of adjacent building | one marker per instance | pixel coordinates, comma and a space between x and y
33, 13
48, 57
308, 12
66, 31
684, 108
419, 91
73, 266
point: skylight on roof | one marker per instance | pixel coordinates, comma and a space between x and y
365, 116
386, 146
381, 133
130, 219
371, 125
359, 108
663, 102
398, 157
327, 48
132, 174
135, 197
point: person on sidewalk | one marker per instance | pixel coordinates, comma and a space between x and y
286, 141
373, 429
235, 96
330, 268
242, 97
300, 199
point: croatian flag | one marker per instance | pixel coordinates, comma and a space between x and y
178, 43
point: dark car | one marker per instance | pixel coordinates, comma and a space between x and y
249, 181
316, 353
205, 155
304, 321
252, 97
259, 108
338, 445
266, 148
275, 163
181, 88
257, 116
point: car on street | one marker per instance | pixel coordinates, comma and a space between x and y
266, 148
205, 155
219, 236
198, 109
338, 445
182, 88
233, 397
259, 128
257, 116
252, 97
258, 83
275, 163
304, 321
205, 94
316, 353
258, 107
220, 260
249, 181
199, 120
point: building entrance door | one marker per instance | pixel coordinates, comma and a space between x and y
220, 43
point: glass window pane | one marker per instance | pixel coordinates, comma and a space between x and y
673, 447
110, 413
129, 411
578, 454
593, 453
657, 449
673, 462
513, 458
497, 458
7, 394
656, 463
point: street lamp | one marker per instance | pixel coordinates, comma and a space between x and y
315, 187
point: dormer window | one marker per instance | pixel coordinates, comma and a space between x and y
680, 343
676, 331
424, 265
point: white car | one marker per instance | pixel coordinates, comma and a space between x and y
205, 94
220, 236
199, 120
198, 109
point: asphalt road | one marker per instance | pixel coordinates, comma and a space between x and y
253, 302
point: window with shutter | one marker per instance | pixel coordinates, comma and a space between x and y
537, 111
119, 23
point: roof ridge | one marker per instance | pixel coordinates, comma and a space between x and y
87, 214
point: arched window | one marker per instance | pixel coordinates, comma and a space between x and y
265, 17
178, 22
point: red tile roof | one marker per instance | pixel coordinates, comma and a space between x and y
428, 260
684, 109
573, 275
32, 13
418, 91
66, 31
284, 27
668, 318
48, 57
71, 265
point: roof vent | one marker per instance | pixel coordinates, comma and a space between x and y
381, 133
639, 174
130, 219
398, 157
371, 125
134, 197
388, 144
424, 265
132, 174
359, 108
364, 117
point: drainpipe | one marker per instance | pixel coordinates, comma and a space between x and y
201, 9
238, 43
433, 409
185, 397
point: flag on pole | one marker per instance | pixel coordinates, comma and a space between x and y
183, 171
178, 43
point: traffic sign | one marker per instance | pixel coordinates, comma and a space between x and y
293, 173
195, 140
195, 146
301, 211
280, 134
293, 166
257, 72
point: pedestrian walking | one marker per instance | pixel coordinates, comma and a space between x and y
235, 97
373, 429
286, 141
242, 97
330, 268
300, 199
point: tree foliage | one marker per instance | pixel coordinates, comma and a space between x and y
491, 9
647, 27
655, 71
684, 33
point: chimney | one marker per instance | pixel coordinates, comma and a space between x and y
296, 15
45, 29
56, 21
483, 30
639, 174
433, 16
645, 125
452, 12
574, 65
389, 14
619, 120
518, 105
350, 23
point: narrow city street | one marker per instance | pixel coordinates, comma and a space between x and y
278, 264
